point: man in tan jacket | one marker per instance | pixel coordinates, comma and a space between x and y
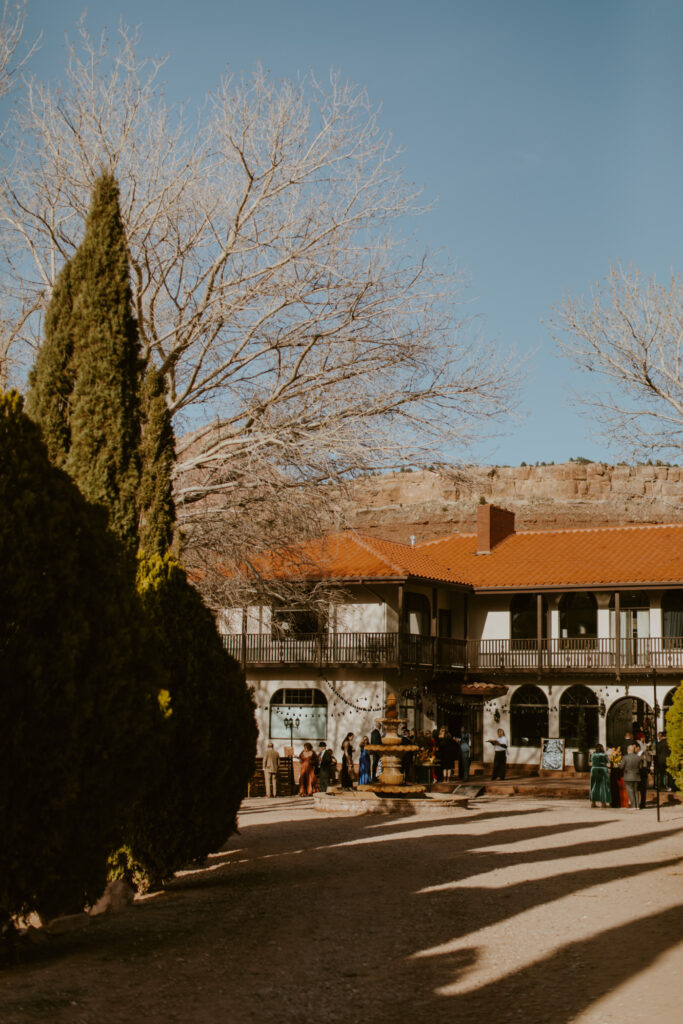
271, 763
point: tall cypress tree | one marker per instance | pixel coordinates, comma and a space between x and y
105, 403
51, 380
156, 508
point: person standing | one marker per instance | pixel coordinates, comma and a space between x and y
465, 752
447, 752
307, 780
662, 752
645, 760
500, 745
375, 741
326, 766
631, 763
347, 762
271, 765
600, 792
364, 767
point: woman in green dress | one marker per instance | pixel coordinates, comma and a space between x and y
600, 788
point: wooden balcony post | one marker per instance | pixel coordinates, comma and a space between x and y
399, 653
617, 632
244, 639
539, 632
434, 626
465, 633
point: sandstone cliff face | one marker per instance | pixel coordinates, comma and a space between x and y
430, 504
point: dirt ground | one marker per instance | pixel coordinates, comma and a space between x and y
513, 910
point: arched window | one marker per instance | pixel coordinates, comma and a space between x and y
578, 617
524, 618
579, 705
417, 614
672, 618
298, 714
528, 716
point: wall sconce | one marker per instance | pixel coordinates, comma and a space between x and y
496, 715
602, 709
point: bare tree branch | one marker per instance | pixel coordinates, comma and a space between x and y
301, 340
629, 333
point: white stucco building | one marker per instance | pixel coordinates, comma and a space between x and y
527, 630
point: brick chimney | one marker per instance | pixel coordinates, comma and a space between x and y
493, 525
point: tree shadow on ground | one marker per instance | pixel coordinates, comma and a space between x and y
328, 925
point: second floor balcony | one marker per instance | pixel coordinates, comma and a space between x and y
489, 657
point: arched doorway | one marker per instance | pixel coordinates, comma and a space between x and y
622, 715
528, 716
577, 703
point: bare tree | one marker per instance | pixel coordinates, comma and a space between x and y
301, 340
629, 333
12, 22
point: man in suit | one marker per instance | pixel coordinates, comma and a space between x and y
631, 766
662, 751
375, 740
271, 763
325, 769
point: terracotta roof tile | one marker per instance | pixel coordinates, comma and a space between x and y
349, 556
590, 557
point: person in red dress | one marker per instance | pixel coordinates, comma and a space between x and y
308, 784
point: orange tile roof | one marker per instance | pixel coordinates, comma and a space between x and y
352, 556
582, 557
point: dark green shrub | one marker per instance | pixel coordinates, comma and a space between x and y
674, 734
208, 733
74, 717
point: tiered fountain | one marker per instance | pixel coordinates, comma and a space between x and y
392, 751
392, 793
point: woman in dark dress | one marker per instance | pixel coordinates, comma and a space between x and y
448, 753
347, 762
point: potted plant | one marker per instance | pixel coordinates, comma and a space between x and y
581, 763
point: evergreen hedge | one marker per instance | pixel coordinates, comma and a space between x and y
75, 718
208, 733
674, 735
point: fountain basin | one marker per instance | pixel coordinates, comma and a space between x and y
365, 801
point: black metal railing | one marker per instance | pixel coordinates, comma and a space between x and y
569, 654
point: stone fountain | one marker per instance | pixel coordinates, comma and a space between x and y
392, 794
392, 751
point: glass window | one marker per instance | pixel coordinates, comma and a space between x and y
672, 616
299, 714
523, 618
295, 621
578, 617
417, 614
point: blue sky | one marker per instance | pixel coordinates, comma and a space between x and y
548, 131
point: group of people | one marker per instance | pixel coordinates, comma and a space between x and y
448, 752
620, 775
315, 773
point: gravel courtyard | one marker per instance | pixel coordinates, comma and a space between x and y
514, 910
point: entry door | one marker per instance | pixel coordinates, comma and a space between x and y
635, 626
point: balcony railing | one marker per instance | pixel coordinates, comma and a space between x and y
346, 649
574, 654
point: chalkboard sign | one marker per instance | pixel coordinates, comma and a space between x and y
552, 754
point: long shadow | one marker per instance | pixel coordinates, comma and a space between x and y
541, 990
278, 931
